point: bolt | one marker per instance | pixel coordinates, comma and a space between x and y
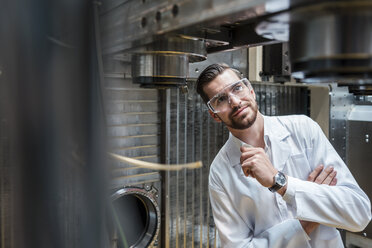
143, 22
157, 196
175, 10
367, 136
184, 89
147, 187
158, 16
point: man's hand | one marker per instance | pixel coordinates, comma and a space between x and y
319, 176
256, 164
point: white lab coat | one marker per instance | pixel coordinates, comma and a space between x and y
249, 215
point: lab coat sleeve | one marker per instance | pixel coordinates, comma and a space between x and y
343, 206
234, 232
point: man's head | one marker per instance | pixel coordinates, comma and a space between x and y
230, 98
209, 74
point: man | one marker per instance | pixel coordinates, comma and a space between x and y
265, 185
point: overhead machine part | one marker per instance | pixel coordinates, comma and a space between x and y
328, 41
165, 63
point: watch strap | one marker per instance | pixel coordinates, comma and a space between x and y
275, 187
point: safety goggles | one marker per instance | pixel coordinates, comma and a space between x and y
222, 101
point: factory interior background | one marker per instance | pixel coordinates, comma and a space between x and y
82, 80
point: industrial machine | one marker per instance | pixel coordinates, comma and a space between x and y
162, 44
128, 67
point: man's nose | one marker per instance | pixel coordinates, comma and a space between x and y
234, 100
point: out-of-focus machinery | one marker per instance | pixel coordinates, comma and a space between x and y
328, 42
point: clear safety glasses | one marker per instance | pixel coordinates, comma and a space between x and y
221, 101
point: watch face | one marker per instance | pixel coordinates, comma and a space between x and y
280, 179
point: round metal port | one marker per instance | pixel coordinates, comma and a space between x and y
135, 218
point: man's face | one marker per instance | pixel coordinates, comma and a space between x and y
242, 111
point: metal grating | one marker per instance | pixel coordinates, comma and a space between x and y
133, 129
282, 99
191, 135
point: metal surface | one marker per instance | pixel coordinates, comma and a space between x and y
133, 129
359, 147
136, 217
321, 46
340, 104
276, 63
194, 48
350, 123
279, 99
354, 240
318, 31
53, 186
165, 63
160, 70
7, 187
191, 135
237, 59
133, 125
129, 24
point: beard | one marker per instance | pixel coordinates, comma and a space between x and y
244, 121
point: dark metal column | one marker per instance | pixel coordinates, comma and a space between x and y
53, 126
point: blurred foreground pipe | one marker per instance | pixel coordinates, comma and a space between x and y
53, 132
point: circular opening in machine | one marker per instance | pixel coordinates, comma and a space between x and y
134, 219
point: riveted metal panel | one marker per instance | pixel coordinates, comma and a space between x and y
340, 103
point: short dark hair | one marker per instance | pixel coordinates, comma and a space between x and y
209, 74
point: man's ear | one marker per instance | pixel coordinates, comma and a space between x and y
254, 94
214, 116
251, 91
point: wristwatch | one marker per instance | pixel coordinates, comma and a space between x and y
279, 181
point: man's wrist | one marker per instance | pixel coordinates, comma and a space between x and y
282, 190
279, 182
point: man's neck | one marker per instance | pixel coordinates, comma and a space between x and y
254, 135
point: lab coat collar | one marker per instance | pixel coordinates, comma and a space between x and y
274, 134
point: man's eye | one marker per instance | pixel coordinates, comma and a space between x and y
221, 99
238, 87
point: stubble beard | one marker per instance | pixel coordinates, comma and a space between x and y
243, 122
